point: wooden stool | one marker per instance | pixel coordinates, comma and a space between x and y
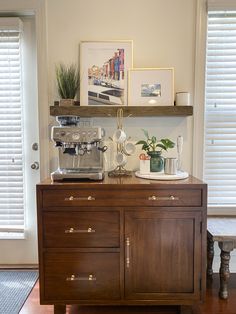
222, 230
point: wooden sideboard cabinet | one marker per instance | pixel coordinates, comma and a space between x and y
122, 241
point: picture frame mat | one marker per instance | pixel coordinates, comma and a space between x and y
162, 78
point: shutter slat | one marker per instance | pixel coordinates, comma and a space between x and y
16, 211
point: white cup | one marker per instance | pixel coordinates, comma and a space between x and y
182, 99
129, 149
119, 136
144, 166
121, 159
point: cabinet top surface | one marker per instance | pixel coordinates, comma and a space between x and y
131, 181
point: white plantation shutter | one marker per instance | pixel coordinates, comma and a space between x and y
11, 130
220, 108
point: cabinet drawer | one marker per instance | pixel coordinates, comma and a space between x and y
81, 276
124, 197
74, 198
169, 198
81, 229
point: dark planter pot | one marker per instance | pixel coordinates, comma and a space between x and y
156, 161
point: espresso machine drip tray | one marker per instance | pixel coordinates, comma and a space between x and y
61, 174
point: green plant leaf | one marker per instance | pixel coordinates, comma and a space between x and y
161, 146
145, 133
154, 139
68, 80
141, 142
167, 143
151, 144
145, 147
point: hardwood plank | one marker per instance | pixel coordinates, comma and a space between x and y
32, 305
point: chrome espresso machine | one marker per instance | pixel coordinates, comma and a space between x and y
80, 150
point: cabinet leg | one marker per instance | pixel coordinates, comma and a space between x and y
59, 309
189, 309
184, 309
210, 254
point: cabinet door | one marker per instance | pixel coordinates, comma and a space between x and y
163, 255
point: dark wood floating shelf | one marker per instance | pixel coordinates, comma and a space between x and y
132, 111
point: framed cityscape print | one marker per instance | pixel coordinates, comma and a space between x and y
151, 87
103, 72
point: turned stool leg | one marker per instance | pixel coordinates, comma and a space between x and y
210, 254
226, 248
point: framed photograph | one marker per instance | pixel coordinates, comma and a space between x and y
103, 72
151, 87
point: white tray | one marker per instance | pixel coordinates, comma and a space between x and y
162, 176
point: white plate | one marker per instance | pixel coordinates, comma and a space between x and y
162, 176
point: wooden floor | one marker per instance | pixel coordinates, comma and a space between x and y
212, 305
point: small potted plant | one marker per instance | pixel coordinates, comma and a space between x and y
68, 82
154, 149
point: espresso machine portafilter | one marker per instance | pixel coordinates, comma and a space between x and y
80, 150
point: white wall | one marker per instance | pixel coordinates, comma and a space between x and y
163, 32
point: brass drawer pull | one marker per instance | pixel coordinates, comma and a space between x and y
89, 277
127, 252
163, 198
82, 198
72, 230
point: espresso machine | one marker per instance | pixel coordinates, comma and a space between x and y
80, 150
